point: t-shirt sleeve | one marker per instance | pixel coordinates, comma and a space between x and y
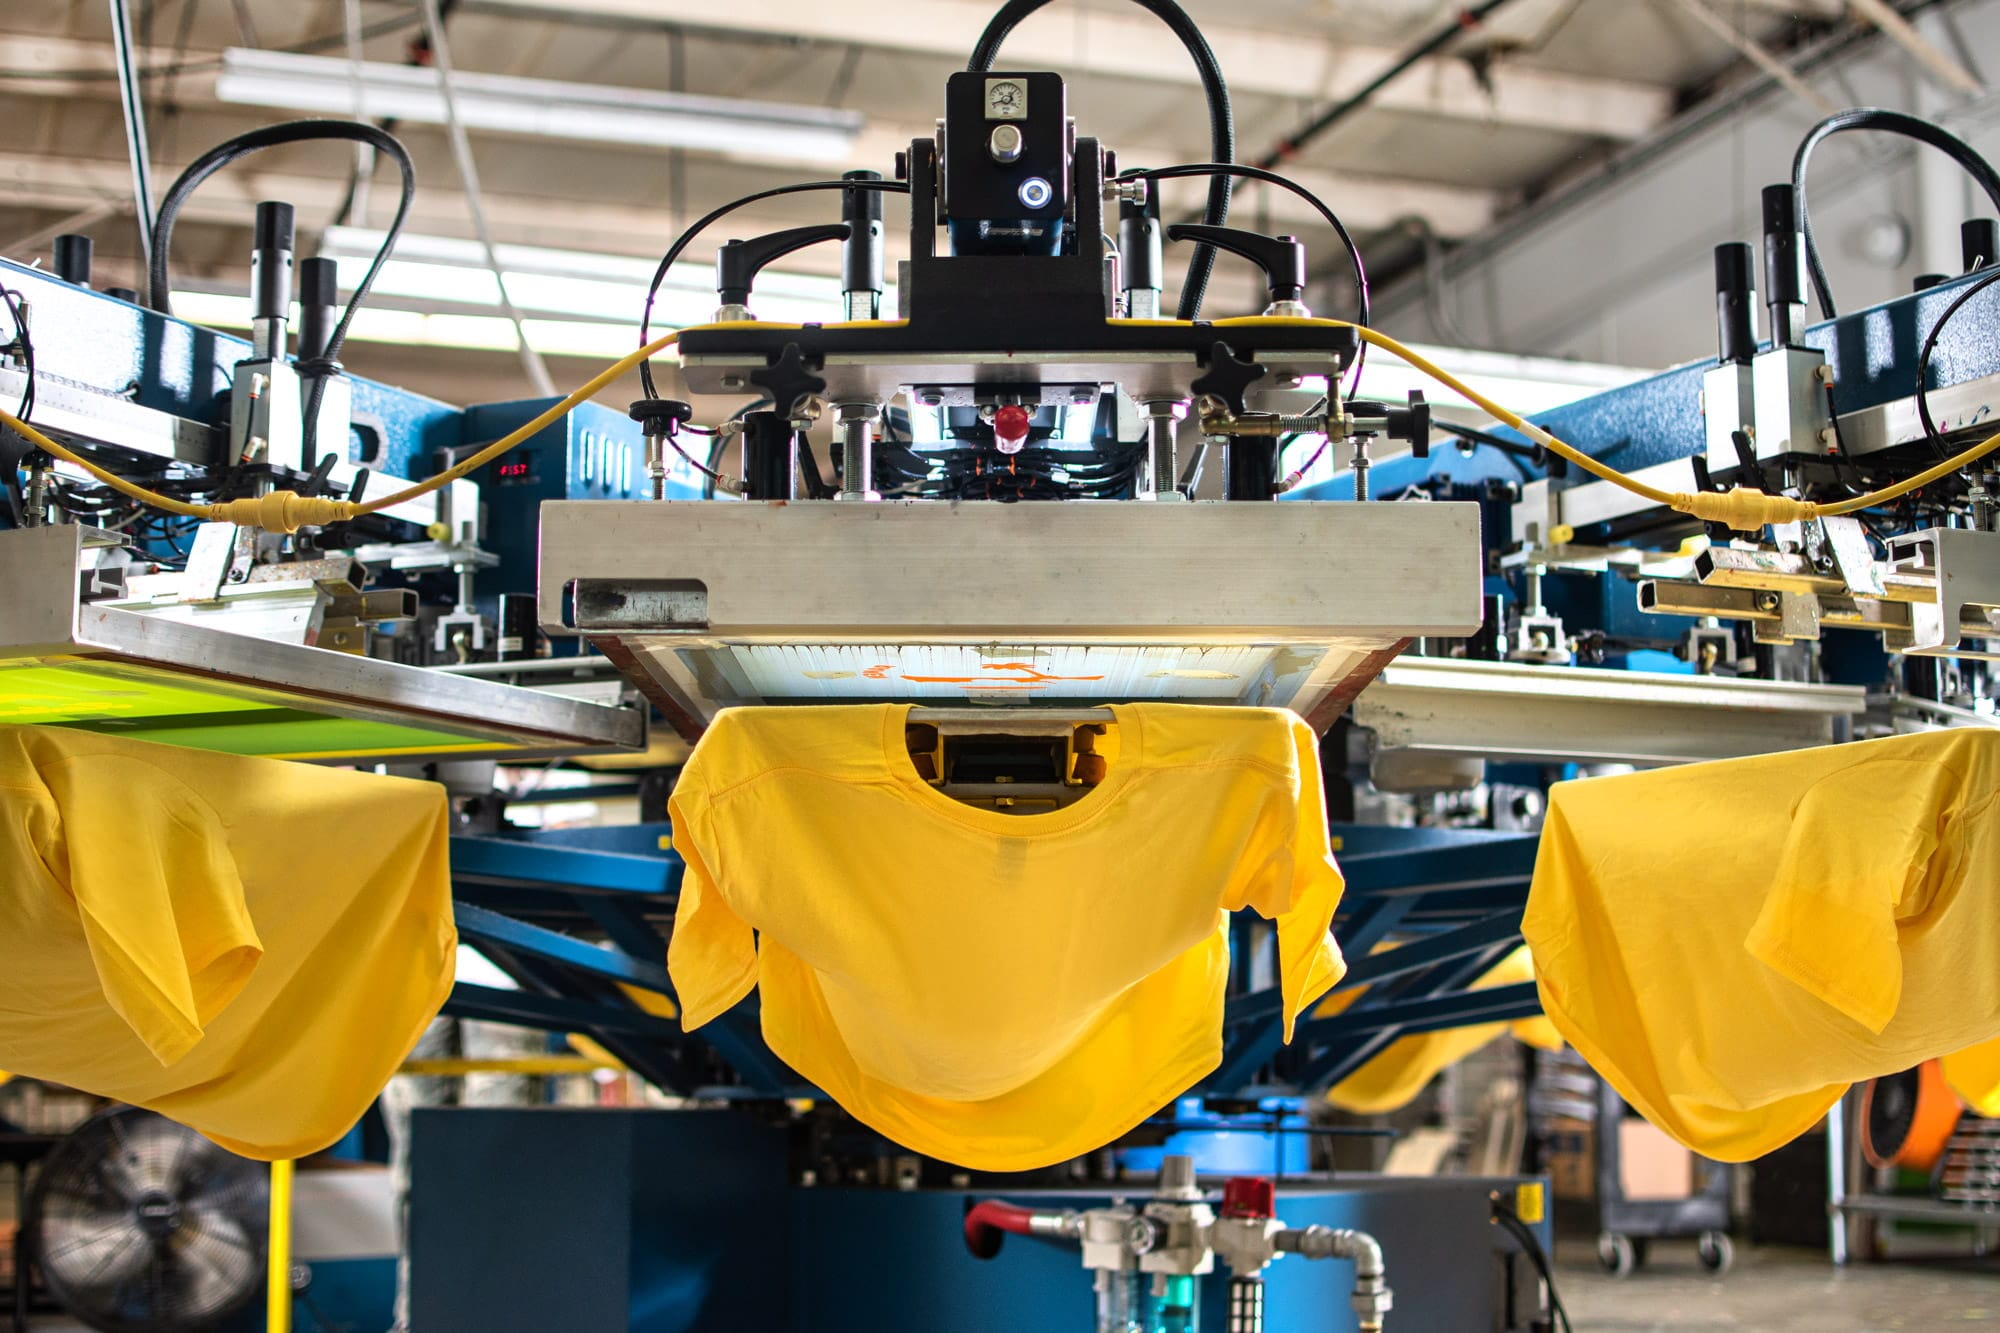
1299, 887
1860, 841
712, 955
162, 907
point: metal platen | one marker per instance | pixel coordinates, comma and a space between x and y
1289, 606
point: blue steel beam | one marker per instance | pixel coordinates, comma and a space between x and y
622, 920
1347, 1043
504, 861
1442, 947
1358, 935
1494, 1004
1369, 1034
518, 937
1485, 863
554, 1013
662, 1064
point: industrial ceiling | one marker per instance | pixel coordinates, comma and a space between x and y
1539, 93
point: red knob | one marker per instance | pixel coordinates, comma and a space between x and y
1010, 428
1248, 1196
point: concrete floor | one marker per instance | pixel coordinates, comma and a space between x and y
1776, 1291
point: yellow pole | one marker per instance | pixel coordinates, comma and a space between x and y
278, 1302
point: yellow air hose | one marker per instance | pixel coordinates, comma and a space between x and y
287, 511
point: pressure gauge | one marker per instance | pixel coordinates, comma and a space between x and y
1006, 99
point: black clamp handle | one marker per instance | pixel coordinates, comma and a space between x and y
1283, 258
1410, 421
739, 262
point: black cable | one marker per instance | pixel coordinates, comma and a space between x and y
1887, 122
10, 482
159, 284
1531, 1245
1931, 431
1221, 119
1362, 312
817, 487
17, 308
681, 244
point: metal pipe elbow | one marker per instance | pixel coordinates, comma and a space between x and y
1371, 1297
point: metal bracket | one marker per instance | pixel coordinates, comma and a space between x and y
1965, 567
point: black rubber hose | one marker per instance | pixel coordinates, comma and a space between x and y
1363, 313
1221, 120
159, 281
700, 224
1887, 122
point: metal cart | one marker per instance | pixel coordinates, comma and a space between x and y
1625, 1227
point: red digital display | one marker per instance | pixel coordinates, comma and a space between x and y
517, 469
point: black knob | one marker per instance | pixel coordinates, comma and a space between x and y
661, 416
1925, 281
73, 258
1283, 258
1412, 423
1979, 243
1735, 302
739, 262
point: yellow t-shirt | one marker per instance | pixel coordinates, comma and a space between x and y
1001, 991
247, 946
1392, 1080
1731, 944
1974, 1074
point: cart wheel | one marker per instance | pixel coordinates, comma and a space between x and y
1718, 1255
1617, 1253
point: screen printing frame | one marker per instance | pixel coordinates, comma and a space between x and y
45, 623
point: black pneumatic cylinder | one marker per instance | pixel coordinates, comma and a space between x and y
520, 628
863, 268
1735, 302
770, 457
271, 263
72, 258
1784, 264
319, 300
1979, 243
1251, 471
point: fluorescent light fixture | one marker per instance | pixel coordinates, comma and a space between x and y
1525, 384
774, 132
409, 328
573, 284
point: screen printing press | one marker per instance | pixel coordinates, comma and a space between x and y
1009, 541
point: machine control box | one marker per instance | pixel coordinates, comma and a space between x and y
1007, 160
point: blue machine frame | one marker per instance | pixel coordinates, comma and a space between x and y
695, 1222
1458, 895
1872, 353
